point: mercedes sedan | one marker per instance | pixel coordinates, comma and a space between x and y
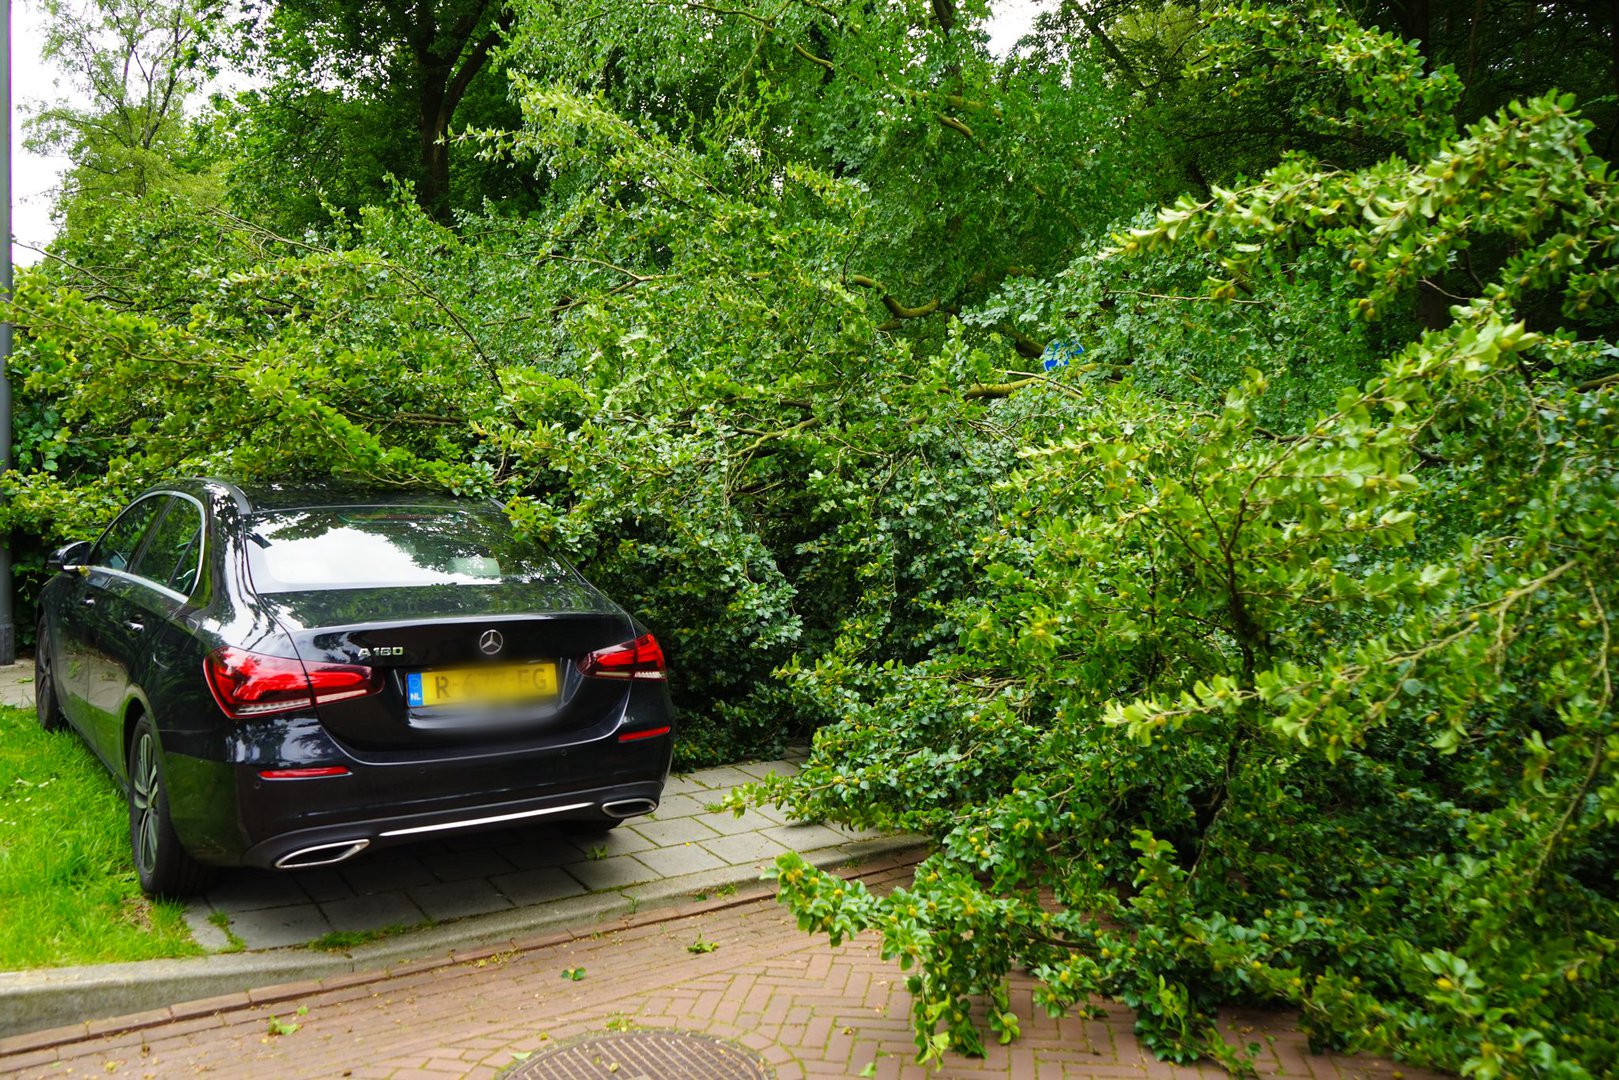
287, 678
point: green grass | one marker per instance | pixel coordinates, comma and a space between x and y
221, 920
68, 891
344, 940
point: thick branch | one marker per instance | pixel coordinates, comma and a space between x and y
1125, 67
897, 309
997, 390
1026, 346
812, 58
956, 125
470, 67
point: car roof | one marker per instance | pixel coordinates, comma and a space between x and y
253, 497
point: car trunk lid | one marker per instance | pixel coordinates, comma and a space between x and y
462, 664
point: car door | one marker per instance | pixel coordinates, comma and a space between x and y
156, 653
92, 682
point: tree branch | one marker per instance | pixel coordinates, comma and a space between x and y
806, 54
1126, 68
899, 310
1027, 347
998, 390
470, 67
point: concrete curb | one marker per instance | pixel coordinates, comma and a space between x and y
49, 1007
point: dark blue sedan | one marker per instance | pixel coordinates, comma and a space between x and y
285, 678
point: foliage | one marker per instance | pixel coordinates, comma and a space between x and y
1221, 129
131, 67
277, 1026
361, 94
687, 408
1263, 702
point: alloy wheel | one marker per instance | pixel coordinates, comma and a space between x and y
144, 783
46, 706
42, 677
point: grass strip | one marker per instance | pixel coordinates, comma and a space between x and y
68, 891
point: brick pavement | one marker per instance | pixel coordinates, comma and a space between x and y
808, 1009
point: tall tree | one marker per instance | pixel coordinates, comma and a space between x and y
130, 66
373, 64
1503, 50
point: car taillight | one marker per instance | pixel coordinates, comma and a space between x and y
638, 659
304, 774
249, 684
649, 733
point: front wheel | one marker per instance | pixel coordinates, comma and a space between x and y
47, 703
166, 869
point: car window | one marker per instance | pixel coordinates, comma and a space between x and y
170, 554
118, 544
357, 547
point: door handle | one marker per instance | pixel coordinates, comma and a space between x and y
135, 625
88, 601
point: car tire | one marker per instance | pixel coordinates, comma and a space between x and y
47, 702
166, 869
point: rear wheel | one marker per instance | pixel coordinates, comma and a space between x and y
47, 704
166, 869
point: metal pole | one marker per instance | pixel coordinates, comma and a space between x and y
8, 635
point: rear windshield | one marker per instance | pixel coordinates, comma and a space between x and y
371, 547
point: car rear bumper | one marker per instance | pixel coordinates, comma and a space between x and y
229, 813
325, 845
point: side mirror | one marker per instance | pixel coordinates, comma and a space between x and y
70, 557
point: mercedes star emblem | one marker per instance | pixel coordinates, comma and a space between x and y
491, 642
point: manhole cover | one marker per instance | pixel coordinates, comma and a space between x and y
644, 1055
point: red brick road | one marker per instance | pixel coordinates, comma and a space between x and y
807, 1009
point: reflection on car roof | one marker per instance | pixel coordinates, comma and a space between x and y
299, 496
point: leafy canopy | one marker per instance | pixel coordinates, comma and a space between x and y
1278, 694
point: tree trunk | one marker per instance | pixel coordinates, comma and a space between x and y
1416, 22
444, 70
432, 122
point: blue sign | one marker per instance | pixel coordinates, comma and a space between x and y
1058, 353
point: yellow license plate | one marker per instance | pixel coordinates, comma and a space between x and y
481, 685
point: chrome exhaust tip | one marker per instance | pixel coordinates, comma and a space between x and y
626, 808
321, 855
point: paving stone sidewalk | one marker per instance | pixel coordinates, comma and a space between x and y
17, 684
805, 1008
688, 848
